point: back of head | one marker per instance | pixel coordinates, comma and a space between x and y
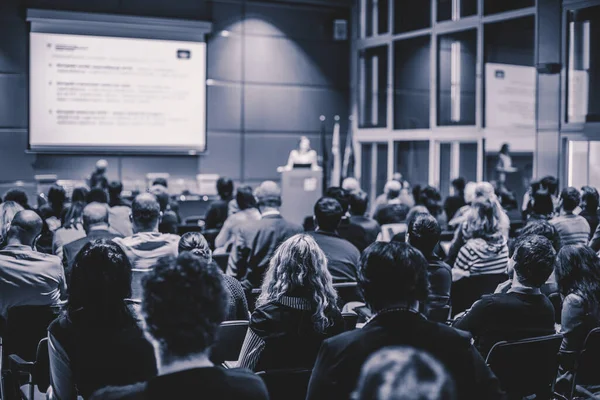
161, 195
195, 243
161, 182
18, 196
95, 214
114, 189
577, 270
101, 165
590, 199
481, 221
73, 215
404, 373
79, 195
550, 183
534, 259
97, 195
57, 196
25, 227
570, 198
100, 282
424, 233
245, 197
145, 211
541, 228
392, 189
183, 304
415, 211
430, 198
350, 184
542, 203
459, 185
391, 273
328, 213
8, 210
299, 268
359, 202
470, 189
341, 195
225, 187
268, 194
484, 190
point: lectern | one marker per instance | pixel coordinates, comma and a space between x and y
300, 190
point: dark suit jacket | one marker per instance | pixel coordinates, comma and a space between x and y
360, 231
206, 383
339, 362
70, 250
255, 245
342, 257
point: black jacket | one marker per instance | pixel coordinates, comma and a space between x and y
255, 245
340, 359
342, 256
360, 231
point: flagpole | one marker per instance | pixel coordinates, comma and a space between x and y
336, 172
325, 166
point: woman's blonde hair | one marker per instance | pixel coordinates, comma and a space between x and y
8, 210
299, 265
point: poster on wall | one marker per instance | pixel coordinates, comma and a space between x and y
509, 96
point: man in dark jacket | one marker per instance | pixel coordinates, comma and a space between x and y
362, 230
393, 277
258, 240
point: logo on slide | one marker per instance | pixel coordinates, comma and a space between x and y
499, 74
184, 54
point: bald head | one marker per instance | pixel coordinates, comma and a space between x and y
101, 165
95, 214
24, 228
268, 194
145, 212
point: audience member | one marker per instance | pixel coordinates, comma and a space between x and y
343, 197
95, 226
362, 230
403, 373
393, 277
183, 339
71, 225
257, 240
248, 211
115, 188
8, 210
52, 211
351, 184
196, 244
342, 256
424, 234
391, 192
542, 207
98, 331
461, 215
295, 311
589, 206
147, 244
27, 277
161, 182
119, 211
456, 200
170, 217
572, 229
482, 261
218, 209
98, 177
412, 214
431, 198
18, 196
524, 311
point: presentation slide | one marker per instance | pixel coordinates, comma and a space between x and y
116, 93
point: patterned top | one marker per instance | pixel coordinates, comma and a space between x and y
480, 257
572, 229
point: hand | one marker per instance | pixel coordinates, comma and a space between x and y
458, 274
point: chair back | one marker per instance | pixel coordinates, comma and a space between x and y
221, 260
588, 363
229, 342
350, 320
388, 231
41, 370
347, 292
61, 376
527, 366
25, 327
439, 314
556, 301
286, 384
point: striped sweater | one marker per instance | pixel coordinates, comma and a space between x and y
480, 257
572, 229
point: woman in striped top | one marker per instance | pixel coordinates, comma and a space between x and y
482, 262
296, 310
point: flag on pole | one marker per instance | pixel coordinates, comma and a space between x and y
325, 159
336, 172
348, 164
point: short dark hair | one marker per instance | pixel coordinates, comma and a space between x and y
145, 210
245, 197
550, 183
424, 233
341, 195
570, 198
431, 198
590, 199
97, 195
459, 184
57, 196
534, 260
359, 201
392, 272
115, 188
195, 243
542, 228
184, 302
99, 283
161, 181
224, 187
328, 213
79, 195
18, 196
542, 203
